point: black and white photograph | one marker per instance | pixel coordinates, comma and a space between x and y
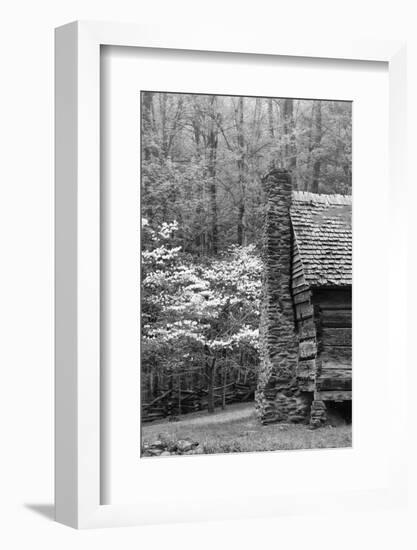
190, 192
246, 274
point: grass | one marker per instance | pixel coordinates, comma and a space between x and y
238, 430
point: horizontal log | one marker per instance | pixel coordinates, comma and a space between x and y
336, 354
336, 336
332, 364
306, 385
306, 328
339, 372
306, 366
333, 384
332, 318
333, 297
332, 307
205, 390
306, 376
301, 287
304, 310
335, 379
302, 297
333, 396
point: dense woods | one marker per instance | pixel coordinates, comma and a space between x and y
202, 158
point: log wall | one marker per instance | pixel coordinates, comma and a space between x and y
307, 333
334, 340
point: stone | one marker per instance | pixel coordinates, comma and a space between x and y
318, 415
153, 452
185, 445
277, 380
296, 418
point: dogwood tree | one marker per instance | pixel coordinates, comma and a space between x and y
197, 311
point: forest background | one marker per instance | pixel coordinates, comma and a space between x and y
202, 159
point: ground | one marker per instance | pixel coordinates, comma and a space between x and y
237, 429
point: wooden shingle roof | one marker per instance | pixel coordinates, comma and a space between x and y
322, 226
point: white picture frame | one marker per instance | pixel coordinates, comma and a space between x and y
77, 242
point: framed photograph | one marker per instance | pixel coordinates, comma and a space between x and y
228, 319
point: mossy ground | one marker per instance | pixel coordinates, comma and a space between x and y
238, 430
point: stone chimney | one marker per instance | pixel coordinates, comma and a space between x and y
277, 396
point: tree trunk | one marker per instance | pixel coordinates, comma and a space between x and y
317, 142
273, 162
309, 148
179, 394
147, 135
290, 147
174, 127
240, 224
147, 98
212, 139
163, 99
241, 171
211, 374
224, 374
271, 120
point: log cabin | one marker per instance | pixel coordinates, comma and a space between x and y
306, 310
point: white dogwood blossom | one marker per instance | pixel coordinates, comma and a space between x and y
213, 305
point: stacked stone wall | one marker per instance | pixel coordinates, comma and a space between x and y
278, 396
